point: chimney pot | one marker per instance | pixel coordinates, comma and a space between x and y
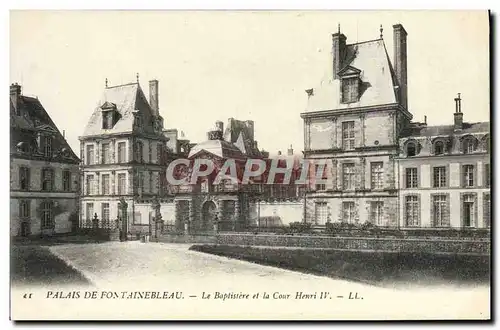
219, 126
15, 93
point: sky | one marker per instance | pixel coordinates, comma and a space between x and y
246, 65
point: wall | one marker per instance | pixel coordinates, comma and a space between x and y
371, 244
287, 212
64, 211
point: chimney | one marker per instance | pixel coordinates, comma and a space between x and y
458, 115
425, 120
338, 52
219, 126
15, 93
290, 151
400, 63
153, 97
255, 145
251, 130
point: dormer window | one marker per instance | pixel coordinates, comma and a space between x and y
412, 148
469, 145
350, 83
438, 148
47, 146
109, 115
23, 147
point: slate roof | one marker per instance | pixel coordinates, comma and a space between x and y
127, 99
468, 128
219, 148
377, 75
25, 124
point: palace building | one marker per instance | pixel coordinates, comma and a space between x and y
382, 168
123, 154
353, 122
44, 180
444, 175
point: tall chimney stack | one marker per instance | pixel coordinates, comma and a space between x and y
458, 115
400, 63
338, 52
15, 93
153, 97
219, 126
290, 151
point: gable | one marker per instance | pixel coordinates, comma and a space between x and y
349, 71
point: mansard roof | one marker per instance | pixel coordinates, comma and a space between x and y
27, 122
376, 74
439, 130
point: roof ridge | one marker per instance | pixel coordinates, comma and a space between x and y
364, 42
128, 84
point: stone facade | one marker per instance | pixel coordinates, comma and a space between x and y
352, 124
44, 179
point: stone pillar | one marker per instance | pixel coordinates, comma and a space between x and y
97, 152
236, 215
190, 221
334, 137
150, 154
392, 131
362, 129
130, 179
363, 173
112, 183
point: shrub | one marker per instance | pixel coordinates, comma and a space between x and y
300, 227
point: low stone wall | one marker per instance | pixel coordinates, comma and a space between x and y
357, 243
173, 238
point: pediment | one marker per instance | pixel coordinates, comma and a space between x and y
108, 106
46, 128
349, 71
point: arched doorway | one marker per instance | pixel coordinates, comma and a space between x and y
208, 213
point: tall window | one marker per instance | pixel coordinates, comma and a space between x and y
440, 211
121, 152
412, 210
487, 210
439, 148
348, 135
47, 215
376, 213
469, 145
24, 209
122, 184
90, 155
487, 175
105, 184
89, 212
24, 178
105, 154
47, 179
468, 175
377, 175
139, 156
66, 180
350, 90
47, 146
439, 177
348, 176
105, 213
90, 184
411, 177
468, 210
348, 212
321, 213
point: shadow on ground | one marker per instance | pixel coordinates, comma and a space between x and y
376, 268
34, 265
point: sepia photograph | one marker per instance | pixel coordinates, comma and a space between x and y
250, 165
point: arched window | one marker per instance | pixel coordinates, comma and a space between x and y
411, 149
438, 148
469, 145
